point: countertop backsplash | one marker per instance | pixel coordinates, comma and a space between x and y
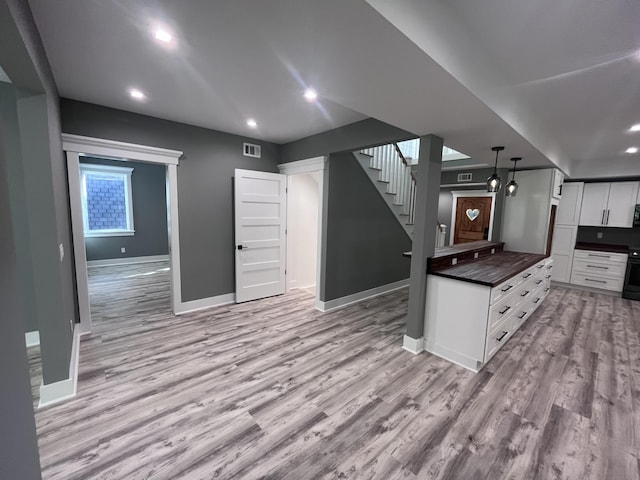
612, 236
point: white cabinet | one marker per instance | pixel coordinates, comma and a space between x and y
470, 332
566, 231
608, 204
564, 242
570, 205
597, 269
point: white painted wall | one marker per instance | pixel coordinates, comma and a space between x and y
302, 236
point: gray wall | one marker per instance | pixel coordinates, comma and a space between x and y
205, 185
445, 204
18, 444
149, 197
23, 58
13, 149
362, 134
364, 241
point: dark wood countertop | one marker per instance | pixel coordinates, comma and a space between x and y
602, 247
491, 270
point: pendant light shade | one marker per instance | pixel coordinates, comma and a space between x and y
512, 186
494, 182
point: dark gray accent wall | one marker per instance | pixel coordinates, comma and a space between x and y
364, 240
13, 150
205, 185
45, 185
358, 135
19, 457
149, 198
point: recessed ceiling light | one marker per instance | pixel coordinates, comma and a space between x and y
310, 95
163, 36
631, 150
635, 128
252, 123
137, 94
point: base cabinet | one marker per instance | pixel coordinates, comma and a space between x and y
467, 323
597, 269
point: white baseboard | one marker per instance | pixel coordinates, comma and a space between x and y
413, 345
108, 262
611, 293
57, 392
32, 339
201, 304
453, 356
360, 296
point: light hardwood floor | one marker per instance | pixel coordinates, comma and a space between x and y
275, 389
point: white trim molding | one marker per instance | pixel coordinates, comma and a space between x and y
413, 345
470, 193
204, 303
303, 166
108, 262
32, 339
119, 150
360, 296
57, 392
77, 146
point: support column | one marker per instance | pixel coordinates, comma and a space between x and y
424, 239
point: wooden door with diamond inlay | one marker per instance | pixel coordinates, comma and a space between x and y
473, 215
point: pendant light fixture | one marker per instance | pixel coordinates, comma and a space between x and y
512, 186
494, 182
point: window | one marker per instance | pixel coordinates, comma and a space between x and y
107, 208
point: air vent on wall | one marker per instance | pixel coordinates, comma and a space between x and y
251, 150
465, 177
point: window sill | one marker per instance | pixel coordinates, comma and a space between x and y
116, 233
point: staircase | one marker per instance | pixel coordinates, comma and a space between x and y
390, 169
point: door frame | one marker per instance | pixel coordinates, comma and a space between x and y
310, 165
470, 193
76, 146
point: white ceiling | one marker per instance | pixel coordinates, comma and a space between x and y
477, 77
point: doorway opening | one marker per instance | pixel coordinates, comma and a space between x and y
472, 216
78, 147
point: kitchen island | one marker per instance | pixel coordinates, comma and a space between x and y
478, 295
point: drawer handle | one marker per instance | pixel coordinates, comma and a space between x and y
539, 282
597, 266
596, 281
539, 266
527, 275
547, 289
504, 334
522, 315
549, 267
525, 293
547, 276
505, 310
536, 300
597, 255
506, 289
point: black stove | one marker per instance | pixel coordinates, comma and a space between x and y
631, 287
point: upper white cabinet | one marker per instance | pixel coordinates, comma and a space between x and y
569, 209
609, 204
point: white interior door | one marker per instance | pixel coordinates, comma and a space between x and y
260, 223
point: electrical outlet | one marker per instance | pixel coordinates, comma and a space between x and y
71, 325
493, 250
599, 235
454, 261
61, 248
476, 255
123, 250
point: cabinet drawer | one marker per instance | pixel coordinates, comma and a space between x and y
502, 290
497, 337
503, 309
596, 281
606, 257
613, 269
